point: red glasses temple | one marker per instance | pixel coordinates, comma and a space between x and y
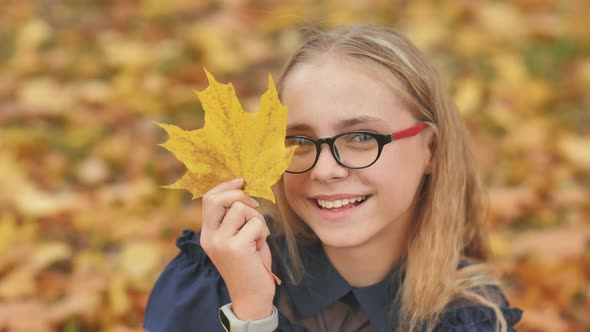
408, 132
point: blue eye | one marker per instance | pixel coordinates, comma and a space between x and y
301, 141
359, 137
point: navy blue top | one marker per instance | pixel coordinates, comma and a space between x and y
190, 291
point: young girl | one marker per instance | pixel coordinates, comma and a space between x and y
378, 223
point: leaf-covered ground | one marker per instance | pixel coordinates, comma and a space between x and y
85, 227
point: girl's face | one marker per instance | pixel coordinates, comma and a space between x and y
327, 96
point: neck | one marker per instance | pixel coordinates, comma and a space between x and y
370, 262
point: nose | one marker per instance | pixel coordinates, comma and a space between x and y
326, 167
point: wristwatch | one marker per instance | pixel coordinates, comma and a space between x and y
231, 323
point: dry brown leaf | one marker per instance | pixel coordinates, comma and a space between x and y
18, 283
576, 150
545, 320
510, 202
557, 243
24, 316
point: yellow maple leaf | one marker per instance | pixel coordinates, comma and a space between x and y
233, 143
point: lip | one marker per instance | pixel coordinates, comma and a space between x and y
336, 197
339, 214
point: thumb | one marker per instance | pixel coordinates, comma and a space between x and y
261, 242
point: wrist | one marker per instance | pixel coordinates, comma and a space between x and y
250, 310
251, 306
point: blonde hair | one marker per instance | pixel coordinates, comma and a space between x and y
448, 227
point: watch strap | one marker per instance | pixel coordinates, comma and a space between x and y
231, 323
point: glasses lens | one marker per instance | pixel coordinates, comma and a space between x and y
357, 149
304, 156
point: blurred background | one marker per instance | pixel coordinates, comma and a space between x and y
85, 228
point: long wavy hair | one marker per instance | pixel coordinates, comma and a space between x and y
449, 225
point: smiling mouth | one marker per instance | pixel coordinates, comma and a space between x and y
340, 203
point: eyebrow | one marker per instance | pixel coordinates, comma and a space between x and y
363, 119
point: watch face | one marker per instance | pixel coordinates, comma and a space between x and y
224, 320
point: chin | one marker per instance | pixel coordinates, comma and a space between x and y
340, 239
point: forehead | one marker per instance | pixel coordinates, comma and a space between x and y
328, 90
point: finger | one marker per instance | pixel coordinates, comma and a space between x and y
216, 204
212, 204
227, 185
236, 217
260, 243
254, 230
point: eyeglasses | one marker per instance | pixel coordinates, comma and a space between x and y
352, 149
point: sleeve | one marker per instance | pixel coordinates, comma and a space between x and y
189, 293
477, 319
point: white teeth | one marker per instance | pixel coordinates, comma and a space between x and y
339, 202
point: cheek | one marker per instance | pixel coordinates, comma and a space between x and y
293, 184
288, 179
410, 158
401, 171
294, 192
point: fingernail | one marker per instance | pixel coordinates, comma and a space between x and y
255, 202
240, 180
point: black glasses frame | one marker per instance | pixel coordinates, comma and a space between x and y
382, 140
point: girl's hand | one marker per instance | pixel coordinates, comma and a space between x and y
233, 235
